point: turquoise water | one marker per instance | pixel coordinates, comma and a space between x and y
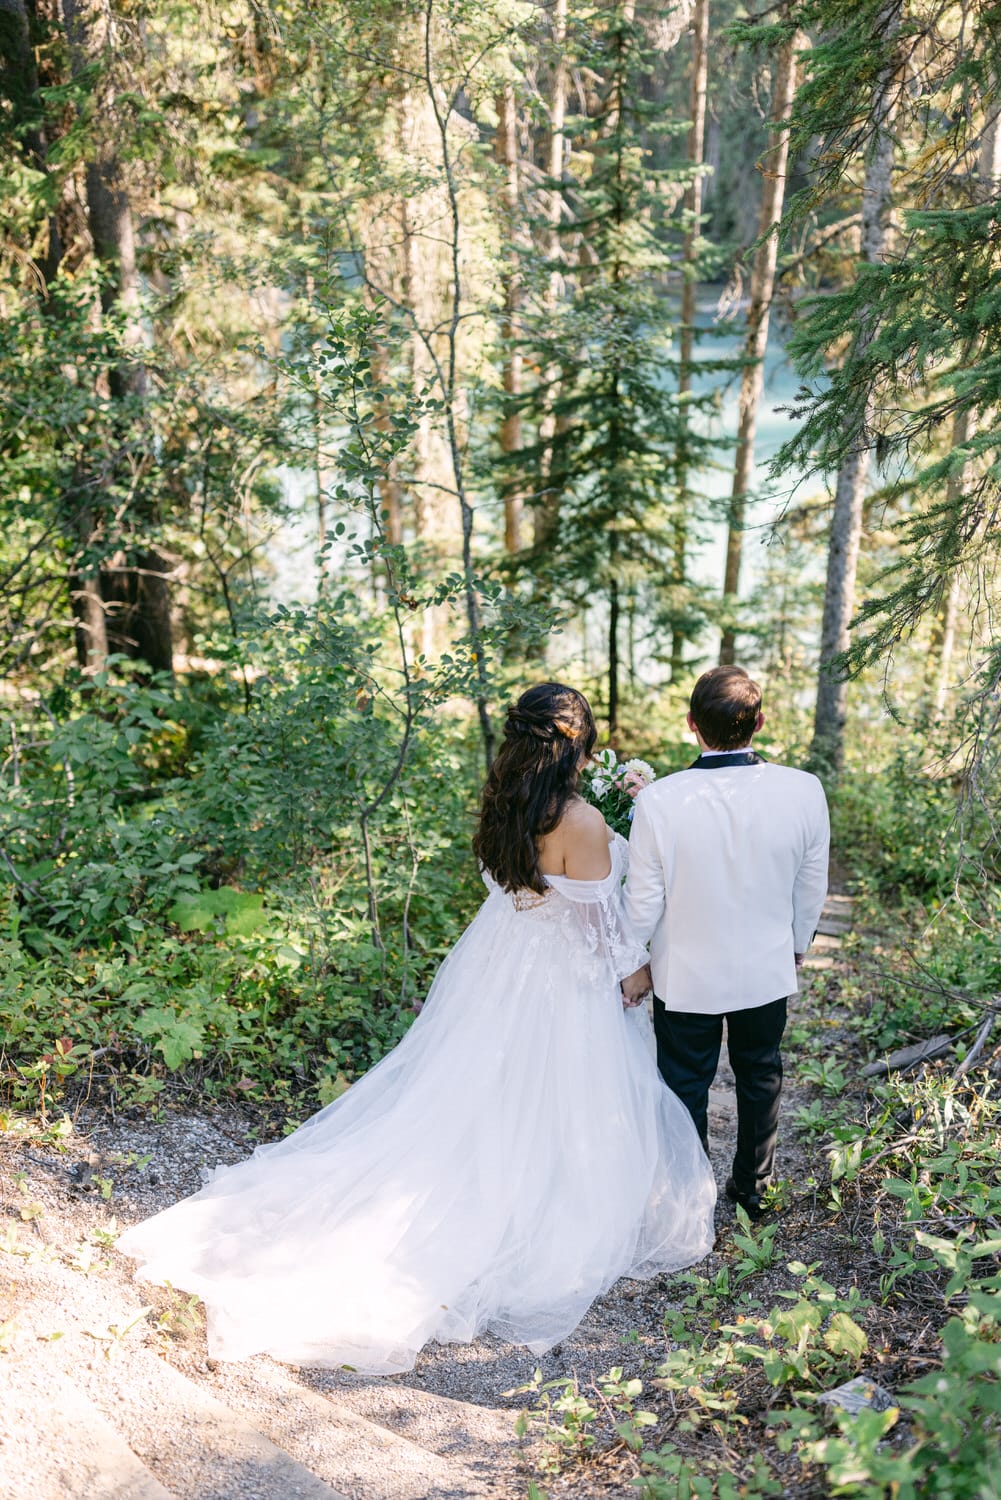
290, 550
774, 427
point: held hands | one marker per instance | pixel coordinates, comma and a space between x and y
636, 987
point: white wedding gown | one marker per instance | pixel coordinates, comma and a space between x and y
514, 1156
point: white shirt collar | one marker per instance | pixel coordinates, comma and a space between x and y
737, 750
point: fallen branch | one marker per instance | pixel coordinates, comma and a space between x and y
909, 1057
979, 1044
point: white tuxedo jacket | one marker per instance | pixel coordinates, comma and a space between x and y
727, 879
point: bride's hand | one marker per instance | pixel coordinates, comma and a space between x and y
636, 987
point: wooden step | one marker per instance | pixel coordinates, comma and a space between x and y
833, 927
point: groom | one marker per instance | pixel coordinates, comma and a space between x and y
727, 879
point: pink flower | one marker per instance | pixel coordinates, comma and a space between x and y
633, 782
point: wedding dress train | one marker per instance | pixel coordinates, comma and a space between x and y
514, 1156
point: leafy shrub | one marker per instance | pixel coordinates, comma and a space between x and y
257, 908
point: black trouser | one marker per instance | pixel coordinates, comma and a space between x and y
688, 1047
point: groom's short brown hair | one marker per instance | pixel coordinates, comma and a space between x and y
725, 705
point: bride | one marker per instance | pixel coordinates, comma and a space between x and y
516, 1153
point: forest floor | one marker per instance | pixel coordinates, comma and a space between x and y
109, 1389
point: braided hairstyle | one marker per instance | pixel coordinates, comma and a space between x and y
548, 732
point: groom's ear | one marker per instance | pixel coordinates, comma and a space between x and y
760, 720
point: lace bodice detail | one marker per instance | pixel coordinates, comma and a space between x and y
588, 913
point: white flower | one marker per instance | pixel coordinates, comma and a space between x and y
600, 785
640, 768
605, 759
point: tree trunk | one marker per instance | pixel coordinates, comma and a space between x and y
827, 749
614, 610
547, 510
90, 625
756, 339
389, 484
631, 636
989, 164
450, 389
689, 287
139, 587
20, 83
511, 427
988, 176
949, 620
19, 75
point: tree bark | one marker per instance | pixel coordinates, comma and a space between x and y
756, 339
90, 621
689, 287
949, 621
614, 611
450, 388
19, 75
963, 426
137, 587
989, 163
547, 511
511, 368
827, 749
20, 84
389, 484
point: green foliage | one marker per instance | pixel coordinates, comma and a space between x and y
569, 1422
668, 1475
901, 358
623, 442
224, 921
903, 821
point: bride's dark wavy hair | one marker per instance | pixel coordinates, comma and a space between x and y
531, 781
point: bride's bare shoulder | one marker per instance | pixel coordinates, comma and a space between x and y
580, 818
581, 841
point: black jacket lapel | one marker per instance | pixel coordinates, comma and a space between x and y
731, 758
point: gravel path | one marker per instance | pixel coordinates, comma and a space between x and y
106, 1388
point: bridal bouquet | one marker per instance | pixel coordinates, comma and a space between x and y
610, 787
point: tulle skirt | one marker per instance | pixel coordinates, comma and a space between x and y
514, 1156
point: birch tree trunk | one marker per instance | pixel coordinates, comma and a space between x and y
511, 370
448, 379
756, 339
846, 523
689, 287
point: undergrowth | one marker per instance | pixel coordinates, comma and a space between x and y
189, 909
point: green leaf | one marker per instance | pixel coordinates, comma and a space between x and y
844, 1336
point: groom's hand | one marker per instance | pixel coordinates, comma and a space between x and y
636, 987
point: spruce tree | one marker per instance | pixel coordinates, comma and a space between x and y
621, 434
923, 326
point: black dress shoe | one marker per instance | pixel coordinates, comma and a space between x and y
751, 1203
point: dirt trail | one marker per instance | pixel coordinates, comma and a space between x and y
106, 1389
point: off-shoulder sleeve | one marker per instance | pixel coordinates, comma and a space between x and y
605, 927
